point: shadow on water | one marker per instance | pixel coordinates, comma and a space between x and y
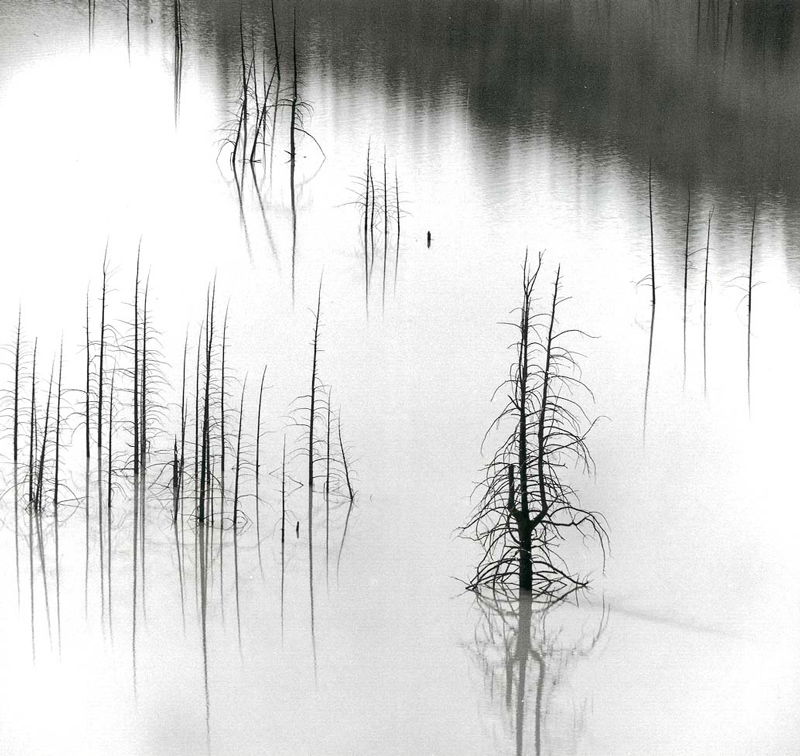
525, 652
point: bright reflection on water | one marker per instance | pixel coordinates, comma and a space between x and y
511, 125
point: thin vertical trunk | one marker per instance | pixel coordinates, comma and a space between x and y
258, 467
366, 232
205, 455
328, 490
350, 495
372, 223
87, 421
524, 522
293, 149
39, 505
311, 417
56, 492
204, 625
257, 103
245, 86
705, 306
128, 27
222, 450
385, 231
197, 417
15, 451
397, 214
686, 276
223, 437
176, 486
544, 422
109, 474
91, 24
143, 403
31, 501
182, 458
100, 386
750, 302
178, 57
277, 88
652, 242
136, 452
236, 517
653, 302
238, 460
283, 529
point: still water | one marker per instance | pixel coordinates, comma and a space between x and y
509, 126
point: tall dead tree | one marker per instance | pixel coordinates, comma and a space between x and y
526, 508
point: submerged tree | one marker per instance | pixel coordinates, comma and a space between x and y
526, 509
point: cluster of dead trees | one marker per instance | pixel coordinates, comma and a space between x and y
123, 451
378, 201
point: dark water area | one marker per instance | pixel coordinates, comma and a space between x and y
706, 91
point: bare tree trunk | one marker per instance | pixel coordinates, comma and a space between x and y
750, 302
206, 452
143, 445
328, 491
705, 307
366, 231
100, 382
686, 276
653, 302
283, 529
385, 231
56, 495
109, 473
136, 451
311, 417
31, 500
397, 213
351, 495
15, 451
524, 520
293, 149
258, 467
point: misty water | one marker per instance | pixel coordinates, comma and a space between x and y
509, 126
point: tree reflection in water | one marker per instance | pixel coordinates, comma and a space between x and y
525, 649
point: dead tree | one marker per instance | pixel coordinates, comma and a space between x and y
526, 508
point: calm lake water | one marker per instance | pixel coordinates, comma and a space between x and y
509, 126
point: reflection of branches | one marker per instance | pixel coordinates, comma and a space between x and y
511, 634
